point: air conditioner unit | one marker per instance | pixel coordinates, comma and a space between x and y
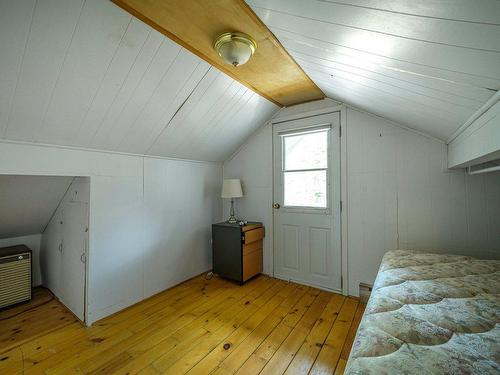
15, 275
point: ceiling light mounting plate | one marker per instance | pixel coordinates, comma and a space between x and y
235, 48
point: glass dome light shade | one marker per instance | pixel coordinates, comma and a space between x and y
235, 48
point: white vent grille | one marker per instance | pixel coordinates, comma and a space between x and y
490, 166
15, 279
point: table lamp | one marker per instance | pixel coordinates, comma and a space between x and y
231, 188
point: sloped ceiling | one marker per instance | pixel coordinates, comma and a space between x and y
85, 73
88, 74
28, 202
427, 64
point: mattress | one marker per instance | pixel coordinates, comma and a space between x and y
430, 314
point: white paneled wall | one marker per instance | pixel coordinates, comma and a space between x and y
33, 242
400, 194
181, 200
116, 217
252, 164
53, 236
127, 261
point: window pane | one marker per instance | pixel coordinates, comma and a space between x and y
305, 189
306, 151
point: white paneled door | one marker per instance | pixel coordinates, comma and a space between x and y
307, 201
73, 257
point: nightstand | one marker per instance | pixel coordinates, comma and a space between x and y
237, 250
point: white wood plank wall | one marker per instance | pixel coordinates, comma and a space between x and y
400, 194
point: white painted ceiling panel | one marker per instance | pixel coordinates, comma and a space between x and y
426, 64
120, 66
41, 64
145, 90
28, 202
178, 82
295, 42
235, 114
458, 94
459, 10
440, 55
430, 30
102, 131
15, 21
86, 73
95, 42
231, 111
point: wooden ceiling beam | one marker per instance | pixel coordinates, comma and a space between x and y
195, 24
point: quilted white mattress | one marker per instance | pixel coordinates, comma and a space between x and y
430, 314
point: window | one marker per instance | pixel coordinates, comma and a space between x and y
305, 168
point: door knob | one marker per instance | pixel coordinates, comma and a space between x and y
276, 206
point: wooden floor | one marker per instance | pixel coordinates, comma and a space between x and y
266, 326
26, 321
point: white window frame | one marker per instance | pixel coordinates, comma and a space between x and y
307, 209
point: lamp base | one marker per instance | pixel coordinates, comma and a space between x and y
232, 220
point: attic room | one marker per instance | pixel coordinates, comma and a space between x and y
249, 187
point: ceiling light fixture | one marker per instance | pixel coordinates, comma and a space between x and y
235, 48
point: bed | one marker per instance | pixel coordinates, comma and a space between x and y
430, 314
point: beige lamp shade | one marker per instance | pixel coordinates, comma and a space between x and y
231, 188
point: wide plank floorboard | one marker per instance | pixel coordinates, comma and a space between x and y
22, 322
266, 326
